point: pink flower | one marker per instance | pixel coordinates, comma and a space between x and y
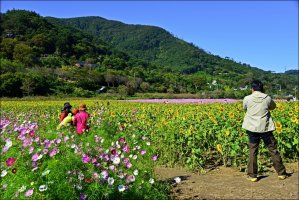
36, 139
122, 140
31, 150
29, 193
129, 165
154, 157
66, 138
53, 152
10, 161
113, 152
142, 152
126, 148
130, 178
31, 134
85, 159
35, 157
27, 142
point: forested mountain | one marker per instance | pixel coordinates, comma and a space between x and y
77, 56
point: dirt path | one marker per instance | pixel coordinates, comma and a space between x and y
229, 183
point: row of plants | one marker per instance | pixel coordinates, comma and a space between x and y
116, 158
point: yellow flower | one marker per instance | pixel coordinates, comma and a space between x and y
227, 133
278, 124
294, 119
219, 148
279, 130
112, 114
290, 113
231, 114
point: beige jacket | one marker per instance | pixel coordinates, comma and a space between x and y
258, 117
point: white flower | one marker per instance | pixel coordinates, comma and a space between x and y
122, 156
8, 143
121, 188
43, 188
32, 183
151, 181
35, 168
148, 143
177, 179
112, 143
81, 176
40, 156
3, 173
130, 155
22, 189
135, 157
45, 172
73, 146
135, 172
102, 140
4, 186
79, 187
110, 181
116, 160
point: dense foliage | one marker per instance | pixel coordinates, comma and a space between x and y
78, 56
41, 162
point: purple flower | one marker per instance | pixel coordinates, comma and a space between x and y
126, 148
23, 131
27, 142
126, 160
104, 174
58, 140
10, 161
113, 152
83, 196
35, 157
130, 178
129, 165
154, 157
31, 134
31, 150
122, 140
85, 159
53, 152
36, 139
142, 152
94, 160
66, 138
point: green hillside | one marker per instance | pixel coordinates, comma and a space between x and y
78, 56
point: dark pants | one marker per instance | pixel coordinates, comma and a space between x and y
271, 144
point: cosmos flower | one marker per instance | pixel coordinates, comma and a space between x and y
121, 188
35, 157
116, 160
130, 178
151, 181
154, 157
29, 193
110, 181
43, 188
10, 161
142, 152
126, 148
3, 173
85, 159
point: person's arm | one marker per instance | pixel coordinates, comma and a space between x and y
272, 104
62, 116
245, 104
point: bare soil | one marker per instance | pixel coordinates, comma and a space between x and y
230, 183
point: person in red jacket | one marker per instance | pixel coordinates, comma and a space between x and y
81, 119
65, 111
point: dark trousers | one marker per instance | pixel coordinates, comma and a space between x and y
271, 144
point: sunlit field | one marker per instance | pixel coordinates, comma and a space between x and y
117, 157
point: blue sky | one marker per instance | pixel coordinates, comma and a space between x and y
263, 34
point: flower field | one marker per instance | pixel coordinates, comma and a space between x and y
116, 158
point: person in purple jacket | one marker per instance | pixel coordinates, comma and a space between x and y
81, 119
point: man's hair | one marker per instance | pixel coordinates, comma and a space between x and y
257, 85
